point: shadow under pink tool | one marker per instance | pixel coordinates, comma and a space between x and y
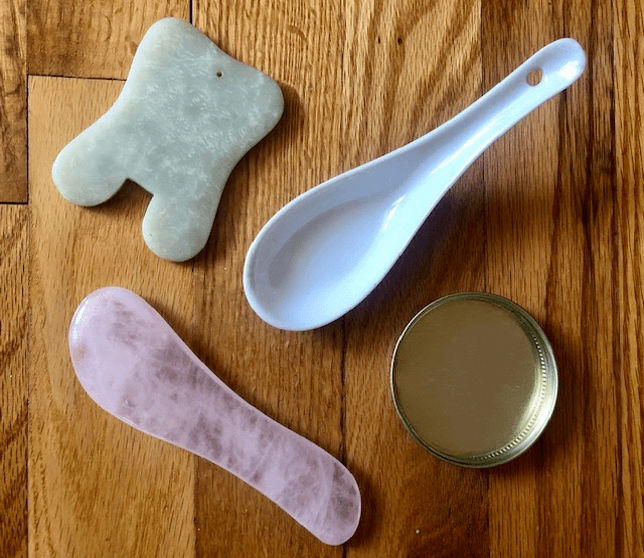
133, 365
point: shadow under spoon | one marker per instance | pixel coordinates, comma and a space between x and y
134, 366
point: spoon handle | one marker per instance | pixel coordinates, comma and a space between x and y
463, 138
134, 366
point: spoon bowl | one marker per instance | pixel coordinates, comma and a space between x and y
327, 249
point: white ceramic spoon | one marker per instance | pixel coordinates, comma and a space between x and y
326, 250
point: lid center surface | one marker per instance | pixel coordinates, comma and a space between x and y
466, 377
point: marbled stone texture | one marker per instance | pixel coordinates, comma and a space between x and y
133, 365
187, 114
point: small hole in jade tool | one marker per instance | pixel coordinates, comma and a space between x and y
534, 77
219, 74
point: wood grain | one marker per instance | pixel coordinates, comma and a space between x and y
13, 103
293, 377
414, 65
97, 487
91, 39
14, 281
551, 217
629, 255
551, 248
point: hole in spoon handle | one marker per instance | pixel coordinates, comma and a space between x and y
561, 63
534, 77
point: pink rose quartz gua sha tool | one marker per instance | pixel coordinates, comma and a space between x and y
134, 366
187, 114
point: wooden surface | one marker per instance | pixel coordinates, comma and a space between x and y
13, 103
551, 216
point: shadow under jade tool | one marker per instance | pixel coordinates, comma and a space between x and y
326, 250
133, 365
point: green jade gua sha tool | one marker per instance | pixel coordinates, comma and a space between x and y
187, 114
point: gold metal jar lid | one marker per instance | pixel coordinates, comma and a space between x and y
474, 379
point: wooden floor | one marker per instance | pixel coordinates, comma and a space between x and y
552, 217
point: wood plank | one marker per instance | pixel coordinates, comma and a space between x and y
629, 141
295, 378
13, 379
91, 39
97, 487
13, 103
551, 243
551, 218
410, 66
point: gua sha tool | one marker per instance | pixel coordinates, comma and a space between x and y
133, 365
187, 114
